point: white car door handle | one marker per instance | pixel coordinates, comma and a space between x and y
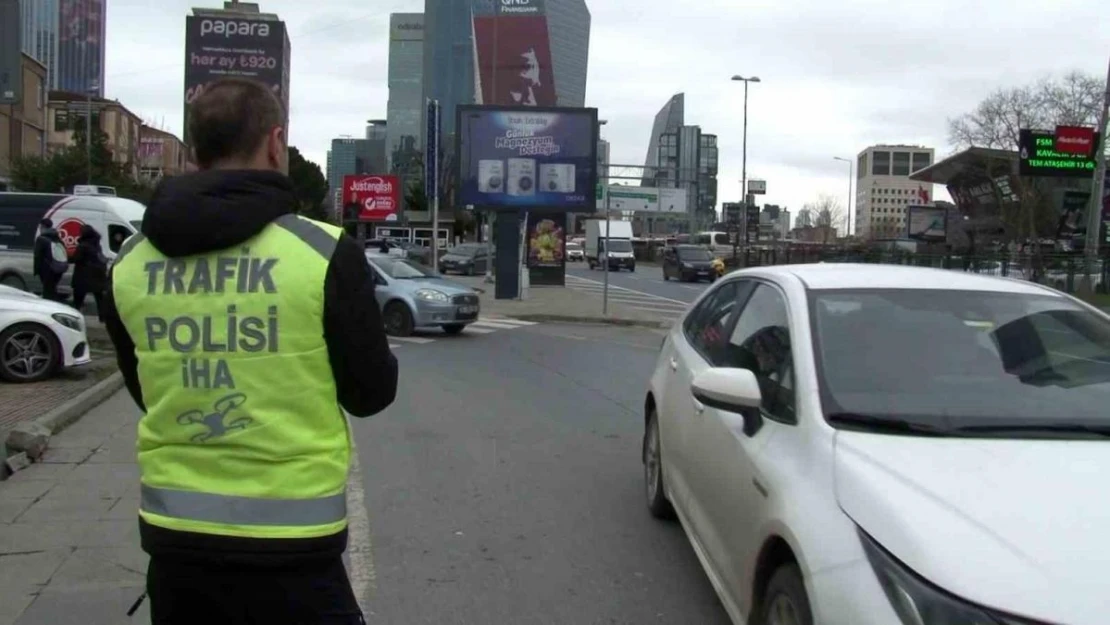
674, 364
698, 406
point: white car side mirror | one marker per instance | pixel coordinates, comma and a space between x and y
726, 388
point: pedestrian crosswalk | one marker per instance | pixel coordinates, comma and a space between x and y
655, 305
487, 324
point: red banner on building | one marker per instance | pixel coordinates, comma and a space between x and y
378, 197
519, 48
1075, 140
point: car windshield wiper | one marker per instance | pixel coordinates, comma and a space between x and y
1039, 428
885, 425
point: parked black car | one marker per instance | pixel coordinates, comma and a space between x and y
467, 258
689, 263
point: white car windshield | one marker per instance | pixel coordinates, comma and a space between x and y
955, 361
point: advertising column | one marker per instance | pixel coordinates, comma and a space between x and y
231, 45
534, 162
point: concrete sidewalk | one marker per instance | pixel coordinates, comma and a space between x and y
69, 536
560, 304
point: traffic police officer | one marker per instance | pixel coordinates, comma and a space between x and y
244, 331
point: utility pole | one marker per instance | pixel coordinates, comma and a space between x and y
88, 130
1094, 214
744, 148
851, 175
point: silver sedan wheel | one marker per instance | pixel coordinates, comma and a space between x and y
652, 463
27, 355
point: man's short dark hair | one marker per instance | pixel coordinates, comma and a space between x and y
47, 223
231, 119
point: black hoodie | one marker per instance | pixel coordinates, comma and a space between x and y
215, 210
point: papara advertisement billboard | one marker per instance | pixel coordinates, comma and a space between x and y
230, 46
527, 158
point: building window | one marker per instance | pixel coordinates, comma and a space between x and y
880, 163
901, 164
921, 160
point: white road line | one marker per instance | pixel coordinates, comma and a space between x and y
508, 320
470, 329
497, 325
621, 288
413, 339
394, 345
359, 545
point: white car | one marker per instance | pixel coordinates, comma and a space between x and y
38, 337
879, 445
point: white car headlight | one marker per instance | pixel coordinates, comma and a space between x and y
72, 322
431, 295
917, 602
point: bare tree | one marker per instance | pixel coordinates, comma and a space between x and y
1073, 99
828, 214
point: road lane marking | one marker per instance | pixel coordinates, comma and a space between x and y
359, 545
470, 329
621, 288
413, 339
496, 325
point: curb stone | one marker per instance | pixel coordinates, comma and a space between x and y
70, 412
613, 321
64, 416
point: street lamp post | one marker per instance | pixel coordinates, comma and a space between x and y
744, 145
605, 285
851, 172
93, 86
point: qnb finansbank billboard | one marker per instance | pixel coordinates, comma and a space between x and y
527, 158
234, 45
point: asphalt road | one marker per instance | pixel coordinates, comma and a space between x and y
505, 486
646, 279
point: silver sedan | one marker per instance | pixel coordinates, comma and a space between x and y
413, 296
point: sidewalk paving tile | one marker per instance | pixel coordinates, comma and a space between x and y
27, 401
69, 534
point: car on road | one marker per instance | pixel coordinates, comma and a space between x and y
413, 296
880, 445
38, 337
466, 258
688, 263
575, 253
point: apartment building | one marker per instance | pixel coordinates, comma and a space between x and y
884, 188
160, 154
67, 114
23, 124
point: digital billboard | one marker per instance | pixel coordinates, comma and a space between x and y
514, 55
224, 46
926, 223
1037, 156
378, 197
81, 41
526, 158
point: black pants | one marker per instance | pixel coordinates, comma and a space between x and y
191, 593
50, 286
79, 294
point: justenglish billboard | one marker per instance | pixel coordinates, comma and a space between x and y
527, 158
229, 45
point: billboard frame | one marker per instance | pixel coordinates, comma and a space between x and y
912, 208
595, 175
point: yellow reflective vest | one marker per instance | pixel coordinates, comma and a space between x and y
243, 435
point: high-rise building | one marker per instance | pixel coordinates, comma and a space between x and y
523, 52
405, 109
349, 156
682, 156
68, 37
884, 188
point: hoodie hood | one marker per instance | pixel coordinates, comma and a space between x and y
214, 210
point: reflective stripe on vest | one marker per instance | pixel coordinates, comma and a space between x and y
231, 510
243, 435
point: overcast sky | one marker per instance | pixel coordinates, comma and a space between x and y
837, 76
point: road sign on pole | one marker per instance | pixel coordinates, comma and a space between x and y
431, 174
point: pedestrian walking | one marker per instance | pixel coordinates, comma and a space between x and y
90, 270
50, 259
244, 332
